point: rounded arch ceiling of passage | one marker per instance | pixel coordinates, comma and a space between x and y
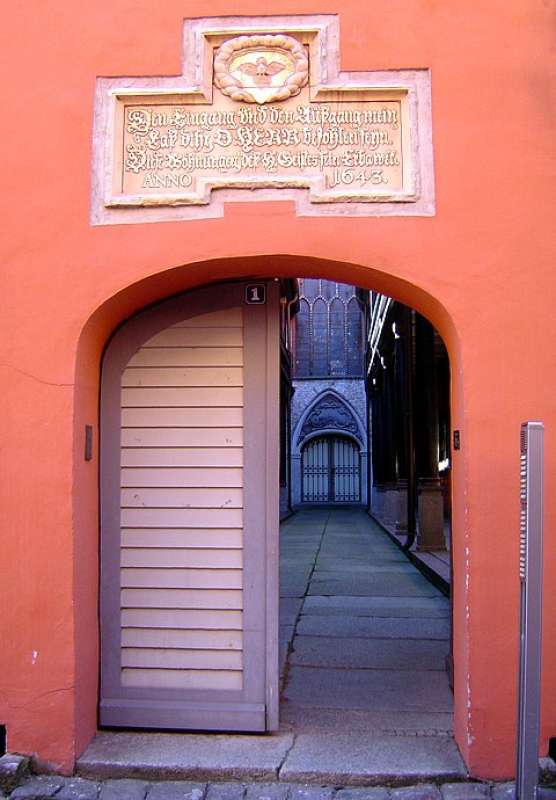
131, 298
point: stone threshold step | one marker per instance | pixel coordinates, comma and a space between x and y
19, 784
315, 758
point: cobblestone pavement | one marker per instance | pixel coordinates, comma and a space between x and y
50, 787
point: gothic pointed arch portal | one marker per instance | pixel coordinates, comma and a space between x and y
330, 412
329, 453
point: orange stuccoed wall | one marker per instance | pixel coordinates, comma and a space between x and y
481, 269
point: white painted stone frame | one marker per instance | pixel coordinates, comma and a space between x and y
199, 38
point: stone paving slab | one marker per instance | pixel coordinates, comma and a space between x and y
384, 585
300, 539
426, 791
337, 571
359, 793
311, 793
297, 558
305, 719
289, 610
337, 558
79, 789
465, 791
297, 570
176, 790
125, 788
13, 769
380, 607
285, 633
39, 788
328, 560
297, 542
376, 690
349, 759
286, 576
267, 791
370, 627
503, 791
293, 590
295, 576
348, 602
225, 791
315, 651
362, 540
197, 757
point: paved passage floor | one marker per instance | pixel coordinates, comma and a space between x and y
364, 637
365, 698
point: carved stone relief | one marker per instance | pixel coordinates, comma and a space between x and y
329, 413
261, 69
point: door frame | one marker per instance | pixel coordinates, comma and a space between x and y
255, 706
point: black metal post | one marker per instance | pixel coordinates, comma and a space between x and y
409, 338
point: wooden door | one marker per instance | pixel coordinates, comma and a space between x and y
189, 514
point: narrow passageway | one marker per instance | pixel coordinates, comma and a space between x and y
364, 637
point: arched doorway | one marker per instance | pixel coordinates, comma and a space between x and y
173, 381
138, 297
331, 470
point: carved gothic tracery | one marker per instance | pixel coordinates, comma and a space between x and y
330, 413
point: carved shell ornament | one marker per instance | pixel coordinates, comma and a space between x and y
262, 68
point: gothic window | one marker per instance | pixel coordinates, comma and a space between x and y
329, 331
320, 338
328, 289
303, 339
345, 291
337, 338
311, 288
354, 339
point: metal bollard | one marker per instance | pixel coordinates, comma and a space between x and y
530, 574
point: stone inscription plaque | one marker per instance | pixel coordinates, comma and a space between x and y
262, 114
351, 149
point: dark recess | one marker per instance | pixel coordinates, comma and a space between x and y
552, 748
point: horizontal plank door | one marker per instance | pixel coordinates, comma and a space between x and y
189, 492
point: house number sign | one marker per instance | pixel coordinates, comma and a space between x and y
255, 294
266, 112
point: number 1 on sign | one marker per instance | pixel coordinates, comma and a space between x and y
255, 294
